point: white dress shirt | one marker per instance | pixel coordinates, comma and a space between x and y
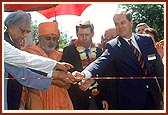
134, 43
20, 58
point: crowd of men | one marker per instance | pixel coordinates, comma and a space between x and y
125, 73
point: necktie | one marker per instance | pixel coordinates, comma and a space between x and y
139, 57
87, 55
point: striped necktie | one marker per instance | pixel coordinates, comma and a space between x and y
87, 55
139, 57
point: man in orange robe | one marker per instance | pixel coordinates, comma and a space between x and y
55, 98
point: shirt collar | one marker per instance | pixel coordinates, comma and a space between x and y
88, 47
10, 38
132, 37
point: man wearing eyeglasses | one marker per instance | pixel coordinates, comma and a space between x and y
17, 27
56, 96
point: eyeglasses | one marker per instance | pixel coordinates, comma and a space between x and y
24, 31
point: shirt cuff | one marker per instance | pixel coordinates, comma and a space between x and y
87, 73
49, 75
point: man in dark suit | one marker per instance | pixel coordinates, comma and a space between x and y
139, 88
75, 54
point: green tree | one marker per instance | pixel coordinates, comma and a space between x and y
34, 31
152, 14
64, 38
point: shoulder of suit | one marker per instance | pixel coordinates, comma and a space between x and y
113, 41
69, 47
98, 49
142, 36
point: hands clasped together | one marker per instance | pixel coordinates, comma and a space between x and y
62, 78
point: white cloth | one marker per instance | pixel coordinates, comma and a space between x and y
87, 73
20, 58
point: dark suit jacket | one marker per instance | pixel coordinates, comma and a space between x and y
14, 89
119, 58
79, 98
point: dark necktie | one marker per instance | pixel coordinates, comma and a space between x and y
139, 57
87, 55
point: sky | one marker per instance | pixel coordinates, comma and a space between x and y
100, 14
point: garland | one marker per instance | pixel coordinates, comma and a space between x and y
85, 63
83, 56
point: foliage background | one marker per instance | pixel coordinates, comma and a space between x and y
64, 39
152, 14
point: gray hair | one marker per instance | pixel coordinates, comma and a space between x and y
15, 19
127, 13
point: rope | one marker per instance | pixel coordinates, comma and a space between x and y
94, 78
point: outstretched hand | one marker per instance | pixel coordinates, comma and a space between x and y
63, 66
61, 78
78, 75
85, 84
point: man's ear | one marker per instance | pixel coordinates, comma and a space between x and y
131, 23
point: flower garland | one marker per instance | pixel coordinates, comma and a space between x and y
85, 63
82, 53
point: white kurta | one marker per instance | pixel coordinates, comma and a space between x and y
20, 58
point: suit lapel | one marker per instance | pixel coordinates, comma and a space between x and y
126, 50
143, 46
